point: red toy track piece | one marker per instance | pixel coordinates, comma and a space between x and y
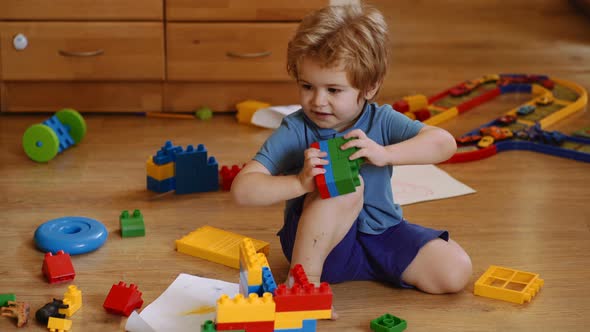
123, 300
247, 326
227, 176
58, 267
303, 298
461, 157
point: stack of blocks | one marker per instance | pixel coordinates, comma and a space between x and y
263, 307
185, 171
342, 175
71, 303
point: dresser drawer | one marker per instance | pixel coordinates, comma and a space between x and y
81, 10
83, 51
228, 51
240, 10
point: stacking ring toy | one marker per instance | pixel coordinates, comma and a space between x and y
74, 235
42, 142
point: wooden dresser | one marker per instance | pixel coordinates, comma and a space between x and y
145, 55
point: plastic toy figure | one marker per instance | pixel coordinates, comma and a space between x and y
51, 309
18, 310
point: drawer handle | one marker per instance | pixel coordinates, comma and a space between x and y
81, 54
248, 55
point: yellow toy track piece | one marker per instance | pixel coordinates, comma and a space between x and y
217, 245
507, 284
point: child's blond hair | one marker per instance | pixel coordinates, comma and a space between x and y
354, 36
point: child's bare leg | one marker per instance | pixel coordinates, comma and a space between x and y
440, 267
322, 225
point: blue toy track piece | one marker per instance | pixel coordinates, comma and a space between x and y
74, 235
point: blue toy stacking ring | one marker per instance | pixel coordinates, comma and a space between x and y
74, 235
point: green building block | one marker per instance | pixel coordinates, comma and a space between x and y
346, 172
208, 326
132, 226
4, 298
388, 323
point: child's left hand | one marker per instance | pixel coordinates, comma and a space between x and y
371, 151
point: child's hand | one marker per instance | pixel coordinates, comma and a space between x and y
373, 152
313, 158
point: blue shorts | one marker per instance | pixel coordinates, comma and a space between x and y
359, 256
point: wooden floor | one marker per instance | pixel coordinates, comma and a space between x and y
530, 212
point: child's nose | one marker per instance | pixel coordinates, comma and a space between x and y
319, 98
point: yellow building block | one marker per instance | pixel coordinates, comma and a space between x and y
73, 298
251, 262
216, 245
246, 110
283, 323
301, 315
159, 172
241, 309
507, 284
59, 324
416, 102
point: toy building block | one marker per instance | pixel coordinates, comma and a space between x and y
251, 264
208, 326
228, 175
247, 108
217, 245
73, 300
307, 325
59, 324
342, 175
388, 323
58, 268
247, 326
161, 186
132, 225
508, 284
304, 314
159, 172
243, 310
122, 300
18, 310
302, 298
50, 309
4, 298
166, 154
268, 281
195, 172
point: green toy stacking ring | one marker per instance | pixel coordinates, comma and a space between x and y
42, 142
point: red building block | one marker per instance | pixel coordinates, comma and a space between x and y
227, 176
122, 300
303, 298
320, 180
247, 327
58, 267
299, 276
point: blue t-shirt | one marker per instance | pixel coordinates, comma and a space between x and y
282, 153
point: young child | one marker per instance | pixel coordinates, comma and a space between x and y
339, 58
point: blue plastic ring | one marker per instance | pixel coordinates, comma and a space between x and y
74, 235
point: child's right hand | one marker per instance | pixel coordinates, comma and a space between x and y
313, 158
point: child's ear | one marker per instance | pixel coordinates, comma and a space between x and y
370, 94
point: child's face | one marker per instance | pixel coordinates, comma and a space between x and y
327, 97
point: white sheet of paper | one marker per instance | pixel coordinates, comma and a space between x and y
179, 308
271, 117
419, 183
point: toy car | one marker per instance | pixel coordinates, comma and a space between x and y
459, 90
545, 100
526, 110
507, 119
467, 139
485, 141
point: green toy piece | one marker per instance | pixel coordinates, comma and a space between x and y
74, 122
204, 113
346, 172
208, 326
40, 143
388, 323
132, 226
4, 298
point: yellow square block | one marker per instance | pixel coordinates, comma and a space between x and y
59, 324
73, 298
159, 172
241, 309
216, 245
246, 110
288, 323
507, 284
301, 315
251, 262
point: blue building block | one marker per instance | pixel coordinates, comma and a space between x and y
167, 153
268, 281
329, 174
63, 134
163, 186
194, 172
309, 325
